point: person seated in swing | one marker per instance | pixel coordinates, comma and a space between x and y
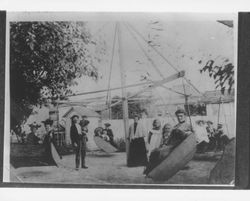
105, 136
211, 131
177, 135
201, 136
32, 136
166, 130
98, 132
221, 138
109, 133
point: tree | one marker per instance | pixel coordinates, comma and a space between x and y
45, 59
223, 74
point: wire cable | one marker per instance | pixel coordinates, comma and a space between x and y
165, 59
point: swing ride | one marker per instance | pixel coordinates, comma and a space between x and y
184, 152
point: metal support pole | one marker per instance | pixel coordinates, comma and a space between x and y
124, 95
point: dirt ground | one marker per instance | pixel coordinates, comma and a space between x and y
106, 169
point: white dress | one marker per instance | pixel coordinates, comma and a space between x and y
155, 140
201, 134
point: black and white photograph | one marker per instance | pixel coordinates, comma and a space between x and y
121, 98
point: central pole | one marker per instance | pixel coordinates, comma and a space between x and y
124, 94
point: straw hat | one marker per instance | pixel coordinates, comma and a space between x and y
75, 115
107, 124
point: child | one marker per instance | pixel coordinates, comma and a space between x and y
105, 136
155, 136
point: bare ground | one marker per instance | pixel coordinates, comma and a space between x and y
106, 169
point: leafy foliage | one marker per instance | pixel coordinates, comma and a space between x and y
45, 58
223, 75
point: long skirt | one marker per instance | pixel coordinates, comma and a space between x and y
137, 153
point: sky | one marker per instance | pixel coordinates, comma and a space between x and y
185, 41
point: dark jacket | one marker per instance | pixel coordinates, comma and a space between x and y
110, 133
74, 136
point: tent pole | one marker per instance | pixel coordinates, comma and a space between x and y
124, 95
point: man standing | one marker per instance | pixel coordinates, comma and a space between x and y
77, 141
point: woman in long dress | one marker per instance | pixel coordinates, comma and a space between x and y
154, 136
137, 151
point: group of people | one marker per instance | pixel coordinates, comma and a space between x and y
106, 134
78, 136
210, 138
33, 138
148, 147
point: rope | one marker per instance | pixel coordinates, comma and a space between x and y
223, 110
218, 118
145, 53
186, 103
165, 59
150, 60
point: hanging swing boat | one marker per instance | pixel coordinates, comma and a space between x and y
176, 160
103, 144
26, 155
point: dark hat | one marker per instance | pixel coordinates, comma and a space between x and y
209, 122
107, 124
75, 115
84, 123
34, 125
84, 116
180, 111
48, 122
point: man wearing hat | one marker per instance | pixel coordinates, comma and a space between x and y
109, 134
78, 136
32, 136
